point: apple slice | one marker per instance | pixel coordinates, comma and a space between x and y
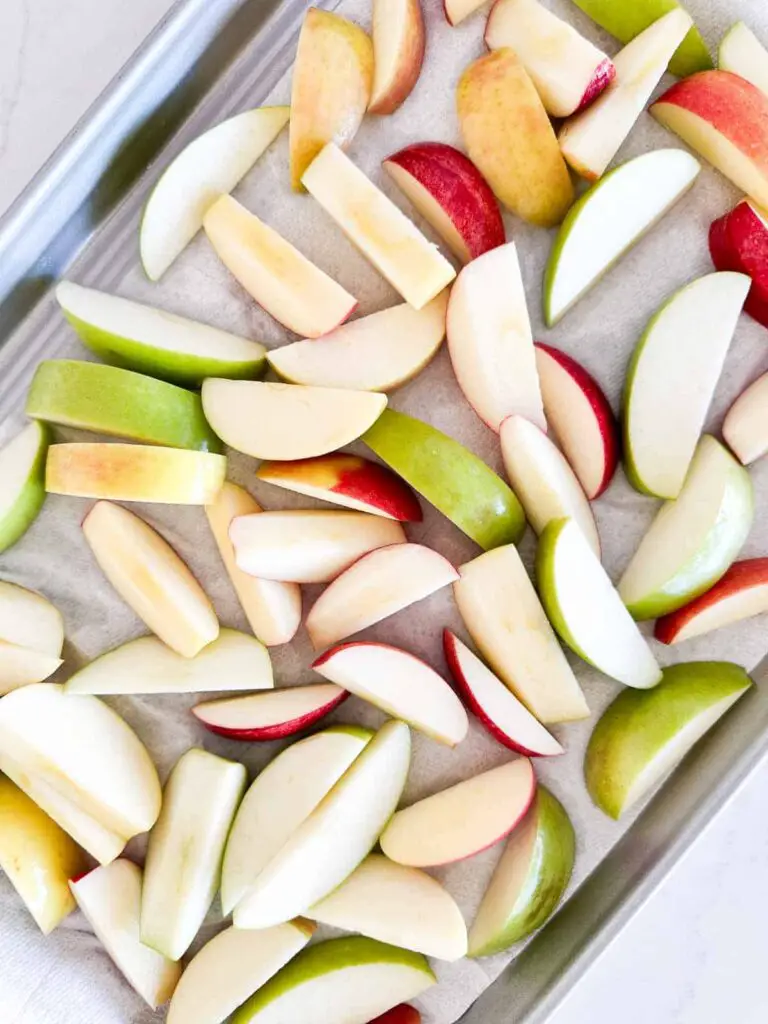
155, 342
462, 820
450, 477
580, 417
347, 980
543, 480
287, 421
347, 480
185, 849
742, 53
336, 837
745, 428
380, 584
151, 578
510, 138
21, 666
399, 684
457, 10
22, 470
373, 353
110, 899
585, 609
231, 967
591, 139
270, 716
273, 609
397, 904
382, 232
505, 618
30, 620
490, 340
38, 857
502, 714
608, 219
694, 540
687, 339
401, 1014
644, 734
280, 799
568, 71
529, 880
451, 194
739, 241
211, 165
399, 41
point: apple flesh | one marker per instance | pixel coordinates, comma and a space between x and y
22, 470
742, 53
645, 734
402, 1014
29, 620
457, 10
269, 716
745, 428
739, 241
21, 666
399, 42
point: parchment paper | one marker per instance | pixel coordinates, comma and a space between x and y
68, 978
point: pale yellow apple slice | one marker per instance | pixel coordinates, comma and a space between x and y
457, 10
745, 427
742, 53
399, 41
151, 578
20, 666
30, 620
394, 245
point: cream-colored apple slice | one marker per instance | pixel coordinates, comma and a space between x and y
151, 578
30, 620
382, 232
742, 53
272, 715
457, 10
745, 427
20, 666
399, 40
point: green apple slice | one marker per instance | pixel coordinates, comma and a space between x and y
155, 342
585, 609
529, 880
688, 339
208, 167
451, 477
608, 219
348, 981
693, 540
644, 734
22, 482
119, 403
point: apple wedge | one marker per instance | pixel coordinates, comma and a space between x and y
350, 979
587, 612
211, 165
397, 904
529, 880
580, 418
336, 837
22, 470
462, 820
510, 139
457, 10
742, 53
155, 342
693, 540
379, 352
380, 584
608, 219
21, 666
185, 849
273, 609
645, 734
287, 421
505, 618
399, 684
308, 545
450, 477
568, 71
745, 428
502, 714
382, 232
490, 340
399, 41
401, 1014
270, 716
687, 339
231, 967
280, 799
591, 139
451, 195
37, 857
346, 480
739, 241
30, 620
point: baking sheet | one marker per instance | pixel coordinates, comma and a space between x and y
68, 977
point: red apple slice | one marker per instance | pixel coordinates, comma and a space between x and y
402, 1014
739, 241
380, 584
452, 196
507, 720
580, 417
745, 427
463, 820
400, 684
399, 40
458, 10
284, 712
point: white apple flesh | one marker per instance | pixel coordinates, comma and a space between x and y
21, 666
457, 10
742, 53
269, 716
745, 427
30, 620
399, 41
22, 470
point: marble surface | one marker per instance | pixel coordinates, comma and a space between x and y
696, 954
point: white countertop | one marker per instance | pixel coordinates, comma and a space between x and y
698, 952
